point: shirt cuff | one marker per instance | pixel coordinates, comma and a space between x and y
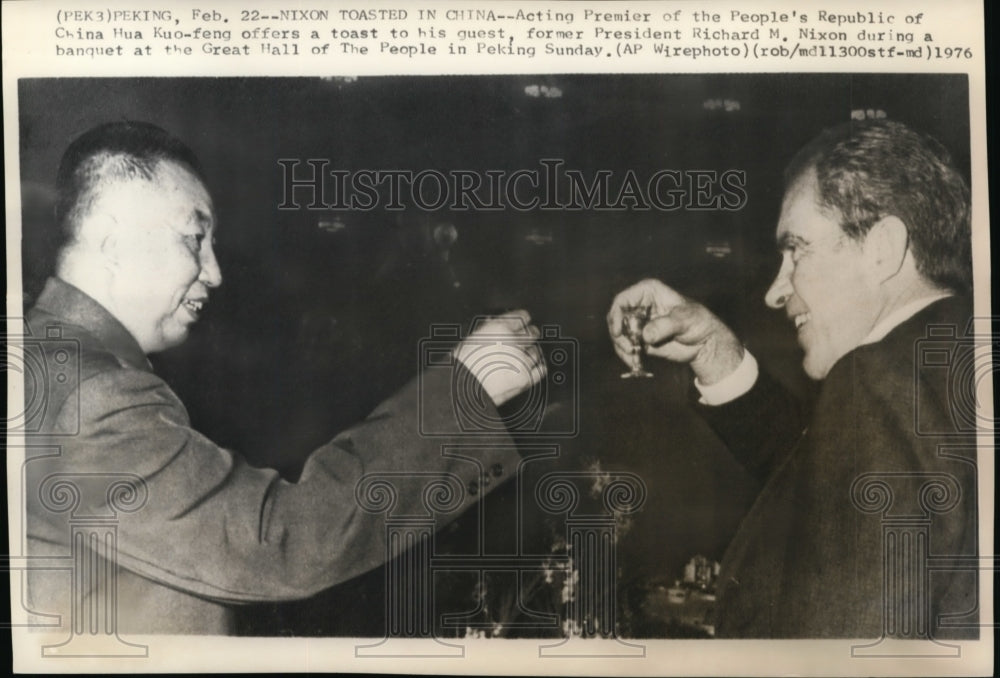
733, 385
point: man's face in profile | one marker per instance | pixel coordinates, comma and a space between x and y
162, 255
825, 284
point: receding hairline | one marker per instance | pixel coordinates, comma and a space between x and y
108, 175
80, 226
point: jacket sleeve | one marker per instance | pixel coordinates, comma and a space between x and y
760, 427
216, 527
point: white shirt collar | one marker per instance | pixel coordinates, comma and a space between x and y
899, 316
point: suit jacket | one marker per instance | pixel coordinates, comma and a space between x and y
208, 530
867, 506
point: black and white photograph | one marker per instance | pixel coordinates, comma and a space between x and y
596, 364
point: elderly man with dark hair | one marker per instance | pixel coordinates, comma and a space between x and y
209, 531
875, 239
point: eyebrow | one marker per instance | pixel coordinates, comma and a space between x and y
203, 218
788, 240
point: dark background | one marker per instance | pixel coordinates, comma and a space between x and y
312, 328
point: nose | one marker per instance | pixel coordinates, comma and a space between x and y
211, 274
781, 289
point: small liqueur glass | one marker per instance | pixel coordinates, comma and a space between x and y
634, 318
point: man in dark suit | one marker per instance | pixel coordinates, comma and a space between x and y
197, 528
867, 510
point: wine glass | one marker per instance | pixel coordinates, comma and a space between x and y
634, 318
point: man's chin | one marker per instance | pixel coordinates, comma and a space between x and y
816, 369
172, 339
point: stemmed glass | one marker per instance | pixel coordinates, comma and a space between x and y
634, 318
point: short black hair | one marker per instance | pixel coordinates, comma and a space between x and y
121, 150
871, 169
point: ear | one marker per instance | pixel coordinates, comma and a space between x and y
109, 244
886, 245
